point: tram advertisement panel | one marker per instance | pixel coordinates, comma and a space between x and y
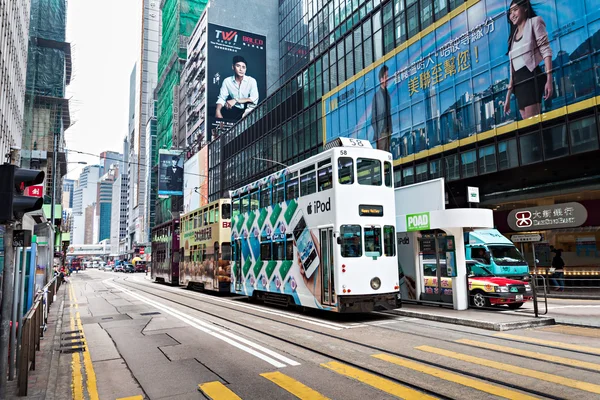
280, 252
170, 173
473, 74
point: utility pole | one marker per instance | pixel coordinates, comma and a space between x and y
53, 205
7, 303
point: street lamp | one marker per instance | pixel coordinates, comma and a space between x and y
269, 160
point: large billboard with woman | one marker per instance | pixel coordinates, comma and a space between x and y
479, 70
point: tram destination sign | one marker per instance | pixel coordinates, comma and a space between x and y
565, 215
370, 210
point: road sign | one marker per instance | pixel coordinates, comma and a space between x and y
534, 237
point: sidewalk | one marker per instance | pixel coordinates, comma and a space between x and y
42, 383
492, 320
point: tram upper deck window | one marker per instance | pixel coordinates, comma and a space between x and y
325, 178
292, 189
345, 170
245, 206
265, 196
368, 171
372, 241
308, 184
389, 241
235, 207
278, 193
387, 173
351, 240
226, 211
254, 203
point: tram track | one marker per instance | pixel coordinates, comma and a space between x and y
153, 292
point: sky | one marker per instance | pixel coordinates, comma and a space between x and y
105, 39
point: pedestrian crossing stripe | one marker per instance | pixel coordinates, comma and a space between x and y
531, 354
296, 388
456, 378
217, 391
566, 346
543, 376
132, 398
377, 382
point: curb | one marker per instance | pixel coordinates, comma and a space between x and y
53, 373
492, 326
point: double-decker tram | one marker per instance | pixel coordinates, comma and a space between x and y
206, 241
320, 233
165, 252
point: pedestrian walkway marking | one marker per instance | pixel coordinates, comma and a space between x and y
543, 376
131, 398
296, 388
532, 354
567, 346
452, 377
377, 382
573, 330
217, 391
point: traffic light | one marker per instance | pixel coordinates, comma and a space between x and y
13, 181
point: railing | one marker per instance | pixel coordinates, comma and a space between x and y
34, 326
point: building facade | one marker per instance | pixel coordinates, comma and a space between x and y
14, 42
68, 188
84, 195
151, 178
104, 202
442, 70
90, 224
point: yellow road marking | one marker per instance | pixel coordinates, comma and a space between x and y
452, 377
573, 330
531, 354
217, 391
131, 398
77, 379
87, 363
375, 381
296, 388
567, 346
543, 376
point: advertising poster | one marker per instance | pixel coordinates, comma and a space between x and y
485, 68
170, 172
191, 181
203, 179
237, 75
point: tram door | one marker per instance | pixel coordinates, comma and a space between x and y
327, 270
437, 286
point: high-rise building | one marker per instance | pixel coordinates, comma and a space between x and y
151, 178
85, 194
104, 201
179, 17
132, 138
434, 83
90, 224
46, 114
107, 158
68, 188
118, 218
14, 41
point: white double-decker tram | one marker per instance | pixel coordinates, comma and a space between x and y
320, 233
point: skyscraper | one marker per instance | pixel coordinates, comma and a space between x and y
85, 194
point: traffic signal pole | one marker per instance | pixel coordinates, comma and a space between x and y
7, 305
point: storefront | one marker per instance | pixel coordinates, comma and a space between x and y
569, 223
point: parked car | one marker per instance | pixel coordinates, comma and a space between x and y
119, 268
129, 268
486, 289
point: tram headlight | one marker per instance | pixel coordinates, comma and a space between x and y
375, 283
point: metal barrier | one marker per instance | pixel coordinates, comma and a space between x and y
34, 326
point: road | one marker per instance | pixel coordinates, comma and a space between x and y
160, 342
569, 311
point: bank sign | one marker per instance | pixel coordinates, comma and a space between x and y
417, 222
565, 215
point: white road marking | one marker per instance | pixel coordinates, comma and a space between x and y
215, 332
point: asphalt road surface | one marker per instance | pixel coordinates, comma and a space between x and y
147, 340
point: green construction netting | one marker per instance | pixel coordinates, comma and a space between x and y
48, 19
46, 71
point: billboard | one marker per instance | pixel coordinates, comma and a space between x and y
237, 75
487, 68
170, 172
191, 181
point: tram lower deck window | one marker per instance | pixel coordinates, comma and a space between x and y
372, 242
351, 240
265, 251
389, 240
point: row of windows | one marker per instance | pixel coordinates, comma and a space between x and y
552, 142
206, 216
357, 241
202, 253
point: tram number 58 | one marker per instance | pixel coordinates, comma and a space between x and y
354, 142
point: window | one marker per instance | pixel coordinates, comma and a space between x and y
507, 154
292, 189
244, 209
236, 207
265, 251
351, 240
584, 136
345, 170
468, 163
531, 148
389, 241
387, 174
452, 171
226, 251
279, 193
254, 200
435, 169
372, 242
368, 171
278, 251
308, 184
408, 175
289, 248
555, 142
421, 172
265, 197
325, 178
487, 159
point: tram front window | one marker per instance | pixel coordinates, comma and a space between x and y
373, 242
351, 240
368, 171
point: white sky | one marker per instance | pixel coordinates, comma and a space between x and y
105, 39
